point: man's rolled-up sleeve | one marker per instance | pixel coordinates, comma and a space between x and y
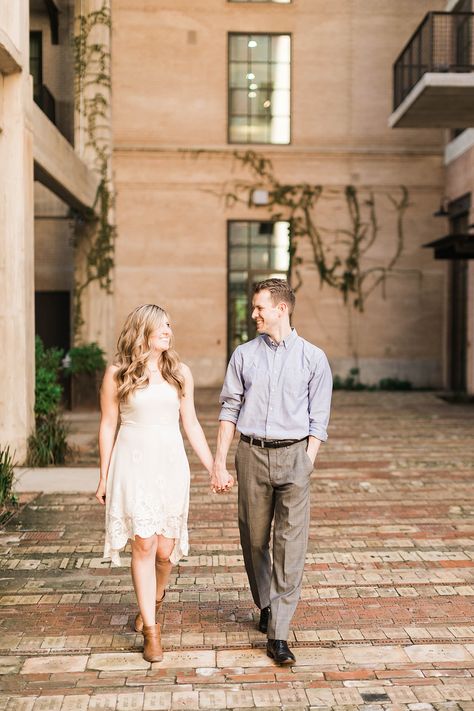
232, 394
320, 393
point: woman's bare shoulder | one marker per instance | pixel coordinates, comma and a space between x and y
185, 370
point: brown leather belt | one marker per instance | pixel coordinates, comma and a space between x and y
270, 443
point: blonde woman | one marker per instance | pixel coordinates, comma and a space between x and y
144, 472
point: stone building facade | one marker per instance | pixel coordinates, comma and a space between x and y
176, 94
198, 89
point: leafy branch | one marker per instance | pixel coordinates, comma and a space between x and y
92, 99
338, 262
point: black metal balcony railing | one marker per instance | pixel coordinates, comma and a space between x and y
45, 100
443, 42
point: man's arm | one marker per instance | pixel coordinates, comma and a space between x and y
319, 405
221, 480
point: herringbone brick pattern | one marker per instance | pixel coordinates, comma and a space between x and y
386, 618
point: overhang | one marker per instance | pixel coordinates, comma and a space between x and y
10, 58
437, 100
453, 247
58, 167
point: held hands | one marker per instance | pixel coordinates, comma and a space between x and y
100, 493
221, 481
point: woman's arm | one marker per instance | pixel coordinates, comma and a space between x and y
191, 426
109, 412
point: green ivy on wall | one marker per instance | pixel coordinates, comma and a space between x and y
338, 260
92, 99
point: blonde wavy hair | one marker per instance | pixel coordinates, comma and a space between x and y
133, 352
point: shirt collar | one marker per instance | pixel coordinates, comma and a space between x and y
291, 337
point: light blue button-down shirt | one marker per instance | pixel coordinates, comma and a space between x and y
278, 391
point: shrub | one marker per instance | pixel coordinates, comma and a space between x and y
394, 384
48, 391
351, 382
6, 476
88, 358
48, 444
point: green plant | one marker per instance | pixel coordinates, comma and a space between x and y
6, 476
337, 254
394, 384
48, 391
48, 445
351, 382
86, 358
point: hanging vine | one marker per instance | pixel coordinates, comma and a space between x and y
92, 99
338, 261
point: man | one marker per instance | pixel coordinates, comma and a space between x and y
277, 392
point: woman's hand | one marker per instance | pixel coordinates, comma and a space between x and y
221, 480
100, 493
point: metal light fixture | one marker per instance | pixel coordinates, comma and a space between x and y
443, 210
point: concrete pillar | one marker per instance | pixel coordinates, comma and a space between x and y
16, 237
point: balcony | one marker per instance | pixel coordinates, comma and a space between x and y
433, 77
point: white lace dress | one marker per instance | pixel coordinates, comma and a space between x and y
148, 479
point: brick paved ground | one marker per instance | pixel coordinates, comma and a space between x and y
386, 618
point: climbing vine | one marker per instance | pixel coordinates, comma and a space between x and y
92, 99
338, 257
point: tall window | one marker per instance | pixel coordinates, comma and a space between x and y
259, 88
256, 251
36, 61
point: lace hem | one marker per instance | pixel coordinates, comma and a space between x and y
120, 530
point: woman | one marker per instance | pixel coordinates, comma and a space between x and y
144, 472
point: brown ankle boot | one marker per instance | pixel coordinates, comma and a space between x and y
152, 650
138, 625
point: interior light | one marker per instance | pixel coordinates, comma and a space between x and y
252, 94
250, 76
267, 103
253, 86
252, 44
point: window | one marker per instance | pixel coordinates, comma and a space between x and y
256, 251
259, 88
36, 61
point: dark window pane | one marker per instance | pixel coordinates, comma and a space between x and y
238, 101
238, 47
238, 75
239, 234
259, 48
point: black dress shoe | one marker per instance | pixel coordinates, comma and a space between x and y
278, 650
264, 617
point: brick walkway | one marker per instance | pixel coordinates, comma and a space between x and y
386, 618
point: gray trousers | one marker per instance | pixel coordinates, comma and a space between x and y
274, 485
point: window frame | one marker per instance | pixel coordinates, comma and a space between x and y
259, 34
270, 271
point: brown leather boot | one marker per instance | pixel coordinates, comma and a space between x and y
152, 650
138, 625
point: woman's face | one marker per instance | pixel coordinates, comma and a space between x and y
160, 337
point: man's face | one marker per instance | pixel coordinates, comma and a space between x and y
264, 313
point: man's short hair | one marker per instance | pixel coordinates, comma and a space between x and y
279, 289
